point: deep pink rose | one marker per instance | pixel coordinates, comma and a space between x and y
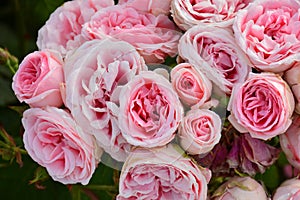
162, 173
262, 105
290, 142
56, 142
268, 31
62, 30
192, 86
156, 7
199, 131
214, 51
245, 188
188, 13
292, 77
288, 190
38, 79
155, 37
94, 73
150, 110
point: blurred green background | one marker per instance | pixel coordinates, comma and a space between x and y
20, 21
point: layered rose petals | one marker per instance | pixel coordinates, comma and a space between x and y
262, 105
162, 173
150, 110
268, 32
200, 131
214, 51
56, 142
38, 79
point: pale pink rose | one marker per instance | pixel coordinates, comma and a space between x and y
290, 142
155, 37
94, 74
240, 188
62, 30
214, 51
263, 106
38, 79
288, 190
188, 13
292, 77
199, 131
191, 85
162, 173
56, 142
150, 110
268, 32
156, 7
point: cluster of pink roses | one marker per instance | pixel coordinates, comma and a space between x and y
90, 90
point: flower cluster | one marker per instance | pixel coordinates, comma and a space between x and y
101, 81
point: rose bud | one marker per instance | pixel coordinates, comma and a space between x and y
240, 188
192, 86
290, 142
246, 155
200, 131
38, 79
263, 106
288, 190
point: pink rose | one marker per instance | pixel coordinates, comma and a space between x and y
192, 86
288, 190
62, 30
94, 74
200, 131
38, 79
56, 142
188, 13
262, 105
268, 32
155, 7
155, 37
214, 51
290, 142
292, 77
238, 188
162, 173
150, 110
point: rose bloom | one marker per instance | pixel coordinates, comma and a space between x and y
192, 86
262, 106
150, 110
56, 142
155, 37
94, 74
214, 51
62, 30
162, 173
155, 7
188, 13
199, 131
292, 77
288, 190
38, 79
240, 188
268, 32
290, 142
246, 155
